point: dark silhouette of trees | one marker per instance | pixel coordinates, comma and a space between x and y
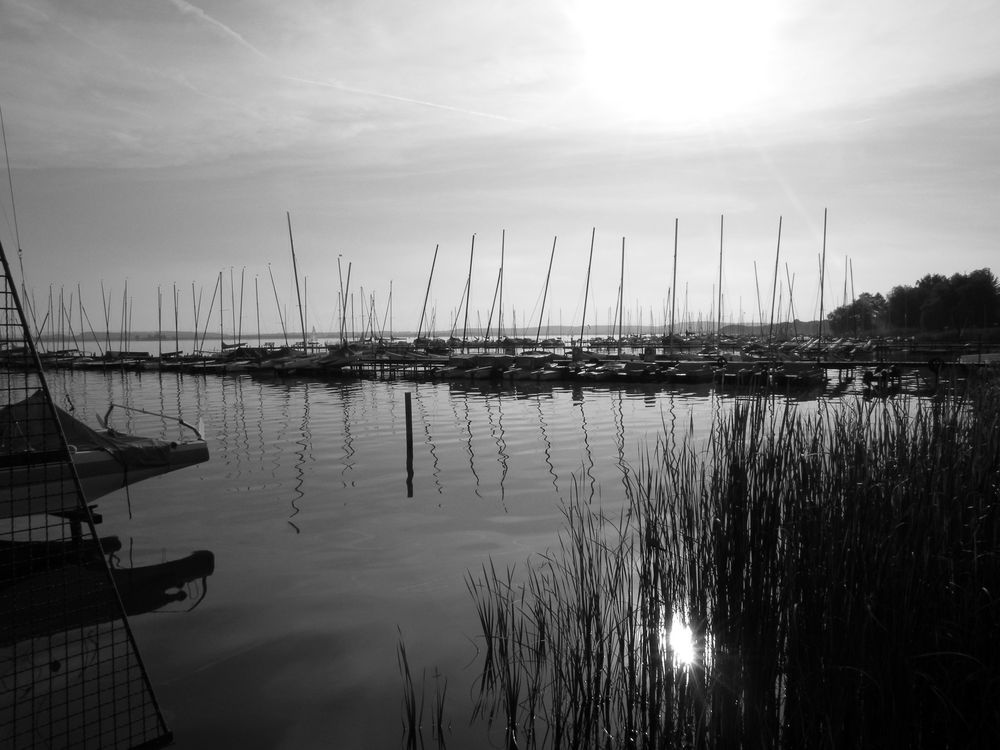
934, 303
976, 299
862, 316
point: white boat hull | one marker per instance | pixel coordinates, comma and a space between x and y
29, 487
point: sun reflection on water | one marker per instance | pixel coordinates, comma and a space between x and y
677, 640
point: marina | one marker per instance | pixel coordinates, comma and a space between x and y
526, 376
323, 562
326, 555
796, 364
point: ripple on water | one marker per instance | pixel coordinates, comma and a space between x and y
321, 550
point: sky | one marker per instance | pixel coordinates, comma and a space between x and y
156, 146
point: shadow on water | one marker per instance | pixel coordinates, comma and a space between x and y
32, 570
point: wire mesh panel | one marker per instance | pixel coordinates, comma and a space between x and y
70, 672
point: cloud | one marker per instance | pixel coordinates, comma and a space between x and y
187, 8
404, 99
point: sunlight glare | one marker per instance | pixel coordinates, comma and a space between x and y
669, 61
680, 640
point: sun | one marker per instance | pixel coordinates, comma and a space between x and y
669, 61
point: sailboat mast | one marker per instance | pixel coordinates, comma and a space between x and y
83, 337
822, 285
177, 346
427, 294
545, 293
277, 304
586, 288
106, 304
347, 286
243, 278
159, 321
673, 288
256, 299
760, 306
342, 304
194, 313
468, 293
718, 333
232, 304
774, 285
222, 318
503, 244
493, 307
791, 301
621, 299
122, 341
298, 293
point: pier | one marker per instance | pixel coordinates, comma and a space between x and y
876, 367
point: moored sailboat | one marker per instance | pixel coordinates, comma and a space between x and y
33, 472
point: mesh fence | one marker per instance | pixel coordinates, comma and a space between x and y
70, 672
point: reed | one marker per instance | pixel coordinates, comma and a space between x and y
414, 702
839, 571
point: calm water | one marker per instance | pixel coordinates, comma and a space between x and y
322, 559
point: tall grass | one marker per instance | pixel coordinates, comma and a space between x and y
839, 570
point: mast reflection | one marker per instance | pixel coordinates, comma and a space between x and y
588, 468
432, 449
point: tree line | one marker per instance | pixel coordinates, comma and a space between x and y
935, 303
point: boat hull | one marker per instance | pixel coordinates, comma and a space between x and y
29, 487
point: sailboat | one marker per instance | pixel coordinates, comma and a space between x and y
33, 475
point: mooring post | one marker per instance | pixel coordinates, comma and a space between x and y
409, 444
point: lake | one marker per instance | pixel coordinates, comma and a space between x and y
324, 557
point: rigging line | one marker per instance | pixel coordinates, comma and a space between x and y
17, 232
10, 182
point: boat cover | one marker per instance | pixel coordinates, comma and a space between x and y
26, 427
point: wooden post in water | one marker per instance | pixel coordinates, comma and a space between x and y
409, 444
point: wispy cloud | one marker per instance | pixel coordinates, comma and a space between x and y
188, 8
404, 99
185, 7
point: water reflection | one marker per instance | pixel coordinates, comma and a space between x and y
677, 641
546, 441
328, 459
461, 395
588, 467
496, 429
304, 453
52, 586
619, 419
429, 441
